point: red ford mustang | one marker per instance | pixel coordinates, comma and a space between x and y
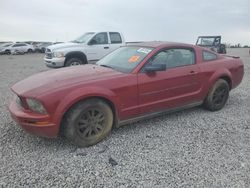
136, 81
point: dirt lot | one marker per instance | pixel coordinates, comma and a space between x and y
192, 148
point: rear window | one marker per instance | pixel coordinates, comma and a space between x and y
208, 56
115, 37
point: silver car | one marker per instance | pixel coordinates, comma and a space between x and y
16, 47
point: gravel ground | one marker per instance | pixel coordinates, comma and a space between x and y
192, 148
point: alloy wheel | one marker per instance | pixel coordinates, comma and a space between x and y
90, 123
220, 96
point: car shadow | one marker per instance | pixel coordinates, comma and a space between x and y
60, 144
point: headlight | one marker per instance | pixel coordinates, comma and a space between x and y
36, 106
58, 54
19, 101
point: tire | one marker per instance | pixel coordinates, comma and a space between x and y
42, 50
8, 52
74, 62
224, 51
217, 96
87, 123
30, 51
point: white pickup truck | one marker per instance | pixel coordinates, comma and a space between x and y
88, 48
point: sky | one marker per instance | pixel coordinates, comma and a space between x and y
138, 20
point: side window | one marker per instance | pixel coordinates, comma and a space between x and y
180, 57
17, 45
175, 57
208, 56
100, 38
115, 37
160, 58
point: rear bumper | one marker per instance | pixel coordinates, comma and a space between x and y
33, 123
54, 62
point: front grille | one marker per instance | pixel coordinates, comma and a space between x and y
48, 50
48, 55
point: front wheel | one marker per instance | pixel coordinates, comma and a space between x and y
88, 122
217, 96
30, 51
73, 62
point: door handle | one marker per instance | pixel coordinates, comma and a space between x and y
106, 47
192, 72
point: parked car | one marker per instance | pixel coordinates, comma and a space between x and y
88, 48
133, 82
57, 42
4, 48
213, 43
17, 47
41, 47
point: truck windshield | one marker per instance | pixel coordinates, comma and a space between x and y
125, 59
83, 38
206, 41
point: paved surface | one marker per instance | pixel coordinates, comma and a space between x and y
192, 148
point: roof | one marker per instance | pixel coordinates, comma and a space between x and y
155, 44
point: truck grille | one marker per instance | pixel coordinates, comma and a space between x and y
48, 50
48, 53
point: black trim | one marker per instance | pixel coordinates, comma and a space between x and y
155, 114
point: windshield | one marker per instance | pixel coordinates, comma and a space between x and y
206, 41
125, 59
83, 38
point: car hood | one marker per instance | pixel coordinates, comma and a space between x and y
52, 80
63, 45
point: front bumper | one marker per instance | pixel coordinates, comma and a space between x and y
54, 62
33, 123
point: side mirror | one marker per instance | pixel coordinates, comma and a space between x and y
155, 67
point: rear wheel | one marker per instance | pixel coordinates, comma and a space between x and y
217, 96
74, 62
88, 122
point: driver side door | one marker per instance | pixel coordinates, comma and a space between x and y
175, 87
98, 47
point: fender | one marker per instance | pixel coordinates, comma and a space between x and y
83, 93
216, 75
79, 54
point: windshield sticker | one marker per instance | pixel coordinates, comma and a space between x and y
134, 58
144, 50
